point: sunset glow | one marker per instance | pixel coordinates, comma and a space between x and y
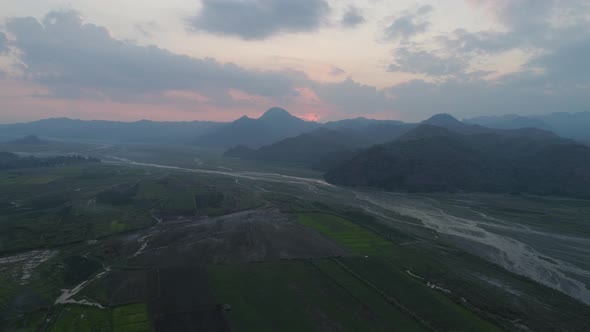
398, 60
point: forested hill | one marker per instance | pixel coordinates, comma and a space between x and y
432, 158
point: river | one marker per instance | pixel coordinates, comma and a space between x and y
559, 261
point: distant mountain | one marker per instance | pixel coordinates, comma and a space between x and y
449, 122
432, 158
358, 123
444, 120
276, 124
140, 131
312, 149
453, 124
509, 121
570, 125
29, 140
324, 147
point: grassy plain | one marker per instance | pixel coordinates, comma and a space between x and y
386, 276
299, 296
79, 222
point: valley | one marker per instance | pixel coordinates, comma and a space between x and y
153, 244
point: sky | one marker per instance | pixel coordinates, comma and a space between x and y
184, 60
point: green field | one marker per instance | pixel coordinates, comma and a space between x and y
57, 206
346, 233
299, 296
387, 277
75, 318
131, 318
393, 315
30, 322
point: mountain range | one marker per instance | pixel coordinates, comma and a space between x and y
571, 125
323, 147
275, 124
433, 158
493, 154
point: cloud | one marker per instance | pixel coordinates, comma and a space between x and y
70, 56
3, 43
514, 94
337, 71
555, 33
146, 29
352, 97
566, 64
75, 61
554, 36
78, 61
414, 61
409, 24
352, 18
485, 42
532, 25
259, 19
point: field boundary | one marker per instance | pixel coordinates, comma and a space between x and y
389, 299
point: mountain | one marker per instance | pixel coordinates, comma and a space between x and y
509, 121
571, 125
449, 122
432, 158
312, 149
324, 147
278, 115
444, 120
276, 124
29, 140
358, 123
143, 131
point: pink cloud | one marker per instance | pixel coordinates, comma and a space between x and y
25, 101
308, 96
310, 117
316, 70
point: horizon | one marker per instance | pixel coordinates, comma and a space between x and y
322, 60
299, 117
